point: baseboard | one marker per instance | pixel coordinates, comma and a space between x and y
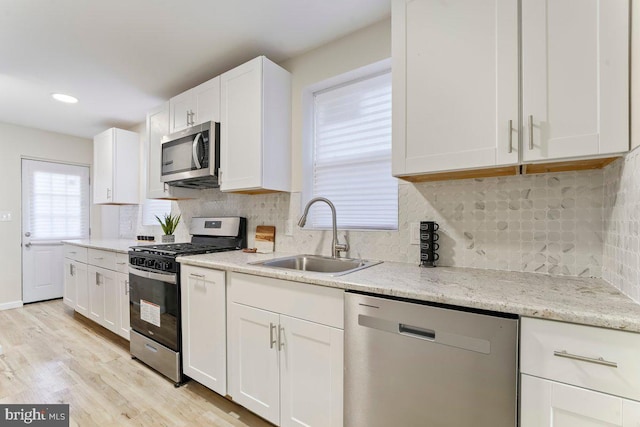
10, 305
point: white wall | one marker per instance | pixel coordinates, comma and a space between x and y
17, 142
355, 50
635, 74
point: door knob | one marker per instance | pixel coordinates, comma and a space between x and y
27, 245
27, 234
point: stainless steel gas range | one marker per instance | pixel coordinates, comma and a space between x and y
154, 297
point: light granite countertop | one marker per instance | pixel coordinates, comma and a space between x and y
579, 300
113, 245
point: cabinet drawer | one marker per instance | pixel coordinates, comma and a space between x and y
76, 253
104, 259
122, 262
317, 304
595, 358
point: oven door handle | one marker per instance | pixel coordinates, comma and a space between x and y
164, 277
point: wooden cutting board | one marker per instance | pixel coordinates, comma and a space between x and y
265, 238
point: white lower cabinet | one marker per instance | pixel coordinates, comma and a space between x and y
97, 286
103, 297
286, 350
81, 275
311, 373
548, 403
75, 279
203, 300
254, 372
122, 290
578, 376
69, 294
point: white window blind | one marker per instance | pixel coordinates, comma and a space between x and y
58, 205
352, 155
153, 207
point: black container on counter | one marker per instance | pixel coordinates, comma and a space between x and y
428, 245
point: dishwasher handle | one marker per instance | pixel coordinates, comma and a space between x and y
444, 337
414, 331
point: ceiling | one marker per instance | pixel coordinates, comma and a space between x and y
121, 58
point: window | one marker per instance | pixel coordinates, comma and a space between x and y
56, 200
350, 154
153, 207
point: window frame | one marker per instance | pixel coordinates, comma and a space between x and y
308, 126
146, 204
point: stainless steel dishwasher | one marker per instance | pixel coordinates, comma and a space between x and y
409, 364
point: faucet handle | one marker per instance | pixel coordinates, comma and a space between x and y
342, 247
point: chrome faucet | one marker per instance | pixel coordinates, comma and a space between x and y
336, 247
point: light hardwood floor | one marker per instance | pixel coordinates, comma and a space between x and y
52, 355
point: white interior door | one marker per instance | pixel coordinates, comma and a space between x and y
55, 207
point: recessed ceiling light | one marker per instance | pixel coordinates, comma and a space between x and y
64, 98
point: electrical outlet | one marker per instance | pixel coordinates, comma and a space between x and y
5, 216
414, 233
288, 227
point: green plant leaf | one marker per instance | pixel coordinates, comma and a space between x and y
169, 223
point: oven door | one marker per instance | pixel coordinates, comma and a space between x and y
154, 306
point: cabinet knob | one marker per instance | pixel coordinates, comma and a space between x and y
272, 340
281, 337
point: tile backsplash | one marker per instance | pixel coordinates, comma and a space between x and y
621, 259
549, 223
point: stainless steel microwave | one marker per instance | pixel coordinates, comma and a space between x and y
191, 158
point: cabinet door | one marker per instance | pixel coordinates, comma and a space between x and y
122, 287
103, 167
157, 127
455, 84
126, 167
630, 413
111, 302
311, 369
241, 127
575, 78
69, 283
253, 360
204, 338
207, 101
81, 276
95, 284
180, 109
547, 403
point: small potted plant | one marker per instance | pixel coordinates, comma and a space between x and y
168, 224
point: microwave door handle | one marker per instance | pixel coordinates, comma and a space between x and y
194, 149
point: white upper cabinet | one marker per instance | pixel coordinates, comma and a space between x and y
575, 78
255, 128
116, 155
456, 103
157, 127
197, 105
455, 85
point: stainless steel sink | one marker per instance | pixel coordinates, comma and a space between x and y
318, 264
